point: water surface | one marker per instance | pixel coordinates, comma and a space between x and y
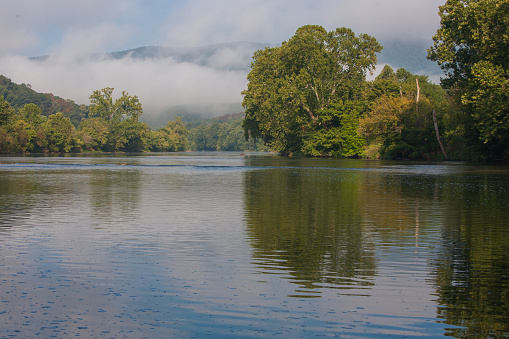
252, 246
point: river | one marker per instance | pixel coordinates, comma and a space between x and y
230, 245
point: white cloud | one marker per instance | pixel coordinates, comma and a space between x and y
32, 26
201, 22
38, 27
81, 41
206, 22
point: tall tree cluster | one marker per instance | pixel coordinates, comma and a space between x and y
310, 95
399, 120
113, 126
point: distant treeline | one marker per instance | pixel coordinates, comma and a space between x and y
222, 134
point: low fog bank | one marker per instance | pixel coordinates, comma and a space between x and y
198, 83
190, 113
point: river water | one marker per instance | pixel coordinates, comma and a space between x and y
222, 245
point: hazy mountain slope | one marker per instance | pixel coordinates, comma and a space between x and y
230, 56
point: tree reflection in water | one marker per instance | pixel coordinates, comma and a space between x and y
309, 227
322, 228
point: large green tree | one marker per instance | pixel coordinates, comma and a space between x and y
93, 133
472, 46
32, 114
125, 107
125, 132
292, 88
60, 134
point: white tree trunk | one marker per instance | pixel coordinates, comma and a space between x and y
438, 134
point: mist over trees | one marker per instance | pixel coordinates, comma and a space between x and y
222, 134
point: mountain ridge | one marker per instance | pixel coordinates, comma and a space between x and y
238, 55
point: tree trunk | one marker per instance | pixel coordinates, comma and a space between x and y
418, 90
310, 113
437, 133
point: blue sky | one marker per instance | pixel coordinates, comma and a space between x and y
69, 29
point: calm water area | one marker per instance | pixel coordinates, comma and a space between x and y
230, 245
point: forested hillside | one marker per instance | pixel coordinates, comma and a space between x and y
20, 95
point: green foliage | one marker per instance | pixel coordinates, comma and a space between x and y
59, 133
471, 31
292, 85
113, 127
93, 133
399, 122
124, 108
130, 136
76, 113
32, 114
386, 83
404, 84
204, 137
384, 119
401, 128
125, 132
472, 46
488, 97
24, 135
231, 138
336, 134
6, 112
15, 135
20, 95
171, 138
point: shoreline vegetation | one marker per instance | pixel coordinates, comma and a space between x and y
310, 97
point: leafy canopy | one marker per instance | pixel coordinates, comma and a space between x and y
290, 88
